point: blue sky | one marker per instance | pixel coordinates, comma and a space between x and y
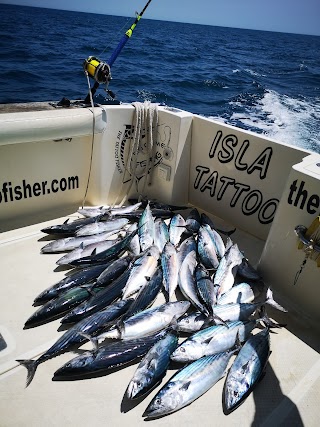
293, 16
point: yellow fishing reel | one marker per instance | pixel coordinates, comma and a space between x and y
97, 70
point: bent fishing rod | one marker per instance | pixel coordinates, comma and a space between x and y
101, 71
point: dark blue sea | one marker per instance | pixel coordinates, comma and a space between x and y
262, 81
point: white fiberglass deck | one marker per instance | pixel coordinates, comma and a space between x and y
288, 394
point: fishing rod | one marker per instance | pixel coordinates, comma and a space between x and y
99, 70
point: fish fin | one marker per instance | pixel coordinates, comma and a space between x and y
31, 366
217, 318
173, 325
273, 303
87, 288
237, 345
94, 252
208, 322
81, 246
148, 278
265, 319
185, 386
120, 326
91, 290
66, 221
93, 340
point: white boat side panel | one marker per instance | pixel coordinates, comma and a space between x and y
238, 175
48, 125
281, 260
111, 178
38, 178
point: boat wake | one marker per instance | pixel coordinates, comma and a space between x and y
289, 120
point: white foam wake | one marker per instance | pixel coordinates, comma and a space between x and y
285, 119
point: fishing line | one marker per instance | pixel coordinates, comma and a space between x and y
115, 36
92, 140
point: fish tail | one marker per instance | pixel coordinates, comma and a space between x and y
31, 366
273, 303
267, 321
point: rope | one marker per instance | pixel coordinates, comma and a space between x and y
144, 123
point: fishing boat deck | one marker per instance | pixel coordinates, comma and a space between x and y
288, 394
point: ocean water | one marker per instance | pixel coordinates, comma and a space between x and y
266, 82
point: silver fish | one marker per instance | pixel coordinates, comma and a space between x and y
146, 296
88, 250
109, 356
153, 366
74, 336
192, 322
242, 293
176, 229
246, 370
70, 243
217, 240
147, 322
234, 312
207, 249
121, 210
170, 268
102, 226
193, 221
134, 245
212, 340
188, 384
187, 281
161, 234
227, 269
92, 211
143, 269
186, 247
250, 292
146, 229
112, 271
206, 288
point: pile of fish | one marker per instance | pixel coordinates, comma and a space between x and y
123, 258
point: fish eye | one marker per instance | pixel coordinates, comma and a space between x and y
235, 393
182, 349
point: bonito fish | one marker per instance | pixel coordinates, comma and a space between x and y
142, 270
213, 340
147, 322
188, 384
75, 335
170, 267
70, 243
153, 366
115, 354
102, 227
146, 229
246, 370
